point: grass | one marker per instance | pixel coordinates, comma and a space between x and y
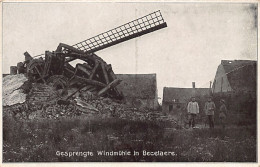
39, 140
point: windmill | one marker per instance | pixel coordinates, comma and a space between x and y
94, 75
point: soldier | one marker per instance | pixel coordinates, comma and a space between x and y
193, 110
209, 111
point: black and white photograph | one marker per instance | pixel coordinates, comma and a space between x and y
122, 81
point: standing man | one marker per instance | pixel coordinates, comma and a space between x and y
209, 111
193, 110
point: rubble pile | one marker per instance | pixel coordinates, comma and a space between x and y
96, 107
44, 102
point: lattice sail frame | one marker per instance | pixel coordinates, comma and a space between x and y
146, 24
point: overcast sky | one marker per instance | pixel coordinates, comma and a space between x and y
198, 36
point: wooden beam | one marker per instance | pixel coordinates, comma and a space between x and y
89, 81
75, 92
109, 86
42, 78
82, 68
105, 73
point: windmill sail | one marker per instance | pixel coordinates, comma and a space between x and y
146, 24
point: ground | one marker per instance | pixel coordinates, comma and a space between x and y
49, 140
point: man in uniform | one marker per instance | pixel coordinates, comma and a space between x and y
209, 111
193, 110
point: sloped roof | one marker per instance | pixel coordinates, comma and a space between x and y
232, 65
141, 86
183, 95
241, 74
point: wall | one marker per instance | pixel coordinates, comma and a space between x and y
238, 102
221, 83
142, 103
139, 90
241, 106
175, 107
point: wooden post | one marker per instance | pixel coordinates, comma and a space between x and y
94, 70
28, 57
13, 70
110, 72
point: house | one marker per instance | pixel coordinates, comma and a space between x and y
234, 76
175, 99
235, 81
139, 90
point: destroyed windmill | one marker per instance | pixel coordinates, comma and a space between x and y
95, 75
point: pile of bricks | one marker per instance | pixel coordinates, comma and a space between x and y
41, 93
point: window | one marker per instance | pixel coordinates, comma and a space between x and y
175, 100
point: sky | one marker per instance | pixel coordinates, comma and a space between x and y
189, 49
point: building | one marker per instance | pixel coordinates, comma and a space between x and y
234, 76
175, 99
139, 90
235, 81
